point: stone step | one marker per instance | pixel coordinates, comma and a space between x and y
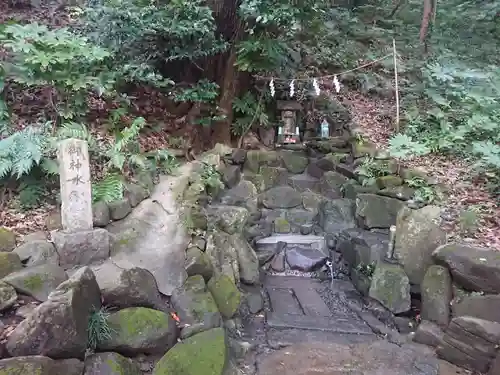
338, 323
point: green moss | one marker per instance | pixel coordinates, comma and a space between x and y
281, 225
19, 368
135, 321
226, 295
9, 262
7, 239
114, 366
201, 354
34, 282
202, 301
294, 162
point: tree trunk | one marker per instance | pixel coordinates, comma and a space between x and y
229, 90
230, 27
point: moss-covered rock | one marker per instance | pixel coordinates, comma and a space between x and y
9, 262
403, 192
195, 306
311, 201
436, 291
248, 261
223, 254
388, 181
140, 330
201, 354
40, 365
257, 158
418, 234
8, 296
226, 295
391, 287
331, 184
7, 239
352, 188
376, 211
110, 364
257, 179
364, 148
230, 219
273, 176
294, 162
337, 157
281, 225
198, 263
37, 281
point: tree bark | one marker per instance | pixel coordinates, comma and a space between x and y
229, 89
229, 26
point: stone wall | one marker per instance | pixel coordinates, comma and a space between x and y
453, 288
319, 190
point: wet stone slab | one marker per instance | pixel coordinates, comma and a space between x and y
298, 310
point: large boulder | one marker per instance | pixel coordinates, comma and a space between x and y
203, 353
375, 211
390, 286
330, 184
257, 158
8, 296
470, 342
479, 306
294, 162
230, 219
110, 364
244, 194
336, 215
38, 281
195, 306
428, 333
137, 330
198, 263
40, 365
7, 239
226, 295
58, 327
85, 247
418, 234
473, 268
35, 253
273, 176
436, 292
305, 259
133, 287
223, 254
9, 262
359, 246
281, 197
247, 260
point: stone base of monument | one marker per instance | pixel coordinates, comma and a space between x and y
82, 247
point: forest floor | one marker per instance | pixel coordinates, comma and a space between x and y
473, 214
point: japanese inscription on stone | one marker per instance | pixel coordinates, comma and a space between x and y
74, 169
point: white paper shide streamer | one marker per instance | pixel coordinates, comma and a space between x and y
316, 86
271, 87
336, 83
292, 88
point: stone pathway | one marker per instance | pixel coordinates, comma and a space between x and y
314, 327
299, 309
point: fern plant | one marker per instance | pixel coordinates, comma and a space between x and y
21, 151
41, 57
98, 329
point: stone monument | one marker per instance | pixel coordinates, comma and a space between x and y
78, 243
289, 132
76, 193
